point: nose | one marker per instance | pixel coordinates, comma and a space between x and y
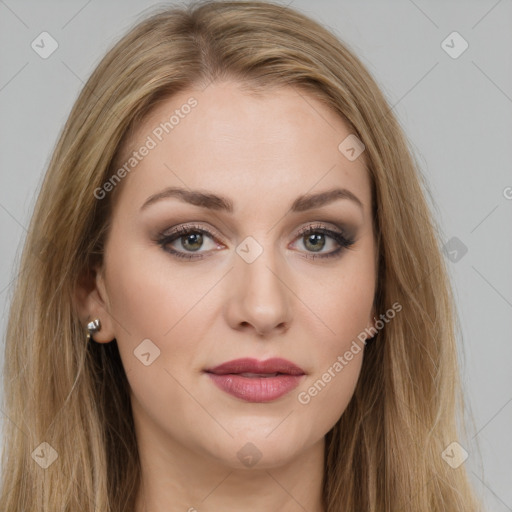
260, 297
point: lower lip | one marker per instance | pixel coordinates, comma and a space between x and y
256, 389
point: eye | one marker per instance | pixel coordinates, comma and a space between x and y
189, 237
313, 238
186, 241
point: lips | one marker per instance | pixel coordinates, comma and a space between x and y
253, 366
256, 381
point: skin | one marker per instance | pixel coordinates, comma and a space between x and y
262, 152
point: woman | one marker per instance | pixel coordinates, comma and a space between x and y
175, 342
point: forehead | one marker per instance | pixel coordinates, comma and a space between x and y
274, 145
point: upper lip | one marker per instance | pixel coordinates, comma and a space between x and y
248, 365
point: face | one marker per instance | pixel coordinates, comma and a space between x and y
190, 282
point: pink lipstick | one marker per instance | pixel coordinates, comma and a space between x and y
256, 381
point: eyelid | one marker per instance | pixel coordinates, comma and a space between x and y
186, 227
337, 234
210, 230
314, 225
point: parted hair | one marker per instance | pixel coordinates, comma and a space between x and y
384, 454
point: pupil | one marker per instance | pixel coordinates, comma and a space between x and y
318, 242
198, 242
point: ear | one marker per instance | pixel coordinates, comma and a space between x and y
92, 302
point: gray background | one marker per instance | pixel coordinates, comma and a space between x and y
455, 111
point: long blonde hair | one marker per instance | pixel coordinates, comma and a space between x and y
385, 452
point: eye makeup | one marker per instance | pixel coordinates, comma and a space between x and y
189, 235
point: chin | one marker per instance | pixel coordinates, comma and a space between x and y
255, 450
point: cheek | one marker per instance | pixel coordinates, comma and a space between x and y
153, 299
344, 302
156, 308
338, 354
324, 399
149, 292
146, 299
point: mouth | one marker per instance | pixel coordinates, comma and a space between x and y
248, 367
262, 375
256, 381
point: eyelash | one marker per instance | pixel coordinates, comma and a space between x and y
179, 232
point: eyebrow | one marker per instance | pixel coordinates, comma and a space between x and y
214, 202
